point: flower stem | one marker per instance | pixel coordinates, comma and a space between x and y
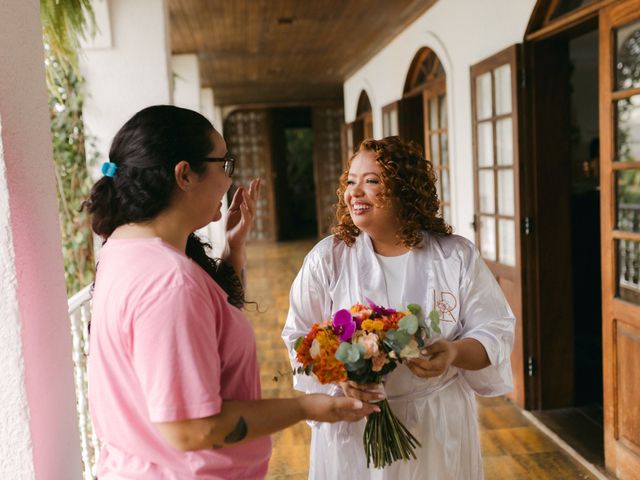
386, 439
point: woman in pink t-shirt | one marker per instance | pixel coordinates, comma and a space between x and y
174, 385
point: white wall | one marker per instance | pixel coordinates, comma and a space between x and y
126, 68
462, 33
39, 435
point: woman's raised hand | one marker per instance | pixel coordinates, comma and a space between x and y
241, 214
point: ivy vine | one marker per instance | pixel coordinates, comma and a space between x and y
64, 23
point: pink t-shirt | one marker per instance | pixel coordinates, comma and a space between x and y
166, 345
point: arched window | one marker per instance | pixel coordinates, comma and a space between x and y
365, 117
548, 11
425, 68
423, 117
364, 105
362, 127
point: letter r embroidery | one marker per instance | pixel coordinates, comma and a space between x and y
445, 303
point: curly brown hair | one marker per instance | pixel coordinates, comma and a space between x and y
410, 187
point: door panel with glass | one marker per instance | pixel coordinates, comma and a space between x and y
497, 212
620, 225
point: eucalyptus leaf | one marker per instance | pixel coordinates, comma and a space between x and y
409, 324
397, 339
434, 316
349, 353
360, 365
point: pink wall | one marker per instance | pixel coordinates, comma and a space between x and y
41, 294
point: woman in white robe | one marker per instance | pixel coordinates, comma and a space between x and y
391, 247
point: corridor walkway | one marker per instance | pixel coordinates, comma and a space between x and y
512, 447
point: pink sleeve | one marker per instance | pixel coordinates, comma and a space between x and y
175, 355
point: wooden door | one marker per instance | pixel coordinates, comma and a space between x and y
248, 137
546, 197
327, 163
620, 233
494, 84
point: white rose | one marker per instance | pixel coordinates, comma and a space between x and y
410, 350
314, 351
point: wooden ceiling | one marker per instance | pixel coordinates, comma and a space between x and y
279, 51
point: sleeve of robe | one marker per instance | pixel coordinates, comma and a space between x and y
309, 302
486, 317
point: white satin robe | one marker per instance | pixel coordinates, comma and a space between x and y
447, 273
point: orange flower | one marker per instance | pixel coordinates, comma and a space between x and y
328, 369
391, 321
303, 356
357, 308
360, 311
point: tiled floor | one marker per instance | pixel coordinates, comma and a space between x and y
512, 447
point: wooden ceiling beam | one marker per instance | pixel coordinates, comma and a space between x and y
307, 47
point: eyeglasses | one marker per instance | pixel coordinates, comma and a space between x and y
229, 162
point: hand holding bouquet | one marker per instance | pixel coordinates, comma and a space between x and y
363, 344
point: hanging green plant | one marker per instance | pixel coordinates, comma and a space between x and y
64, 23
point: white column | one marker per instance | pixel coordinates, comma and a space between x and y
38, 424
207, 106
127, 67
186, 81
214, 232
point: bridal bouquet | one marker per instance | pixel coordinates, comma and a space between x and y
363, 344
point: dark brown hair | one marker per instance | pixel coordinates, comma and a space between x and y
146, 150
409, 186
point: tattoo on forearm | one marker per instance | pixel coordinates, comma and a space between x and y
238, 433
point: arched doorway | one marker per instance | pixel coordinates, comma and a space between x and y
362, 127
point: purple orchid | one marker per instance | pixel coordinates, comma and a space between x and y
343, 325
378, 310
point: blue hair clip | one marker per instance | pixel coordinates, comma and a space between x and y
109, 169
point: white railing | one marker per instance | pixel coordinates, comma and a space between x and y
629, 253
80, 315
